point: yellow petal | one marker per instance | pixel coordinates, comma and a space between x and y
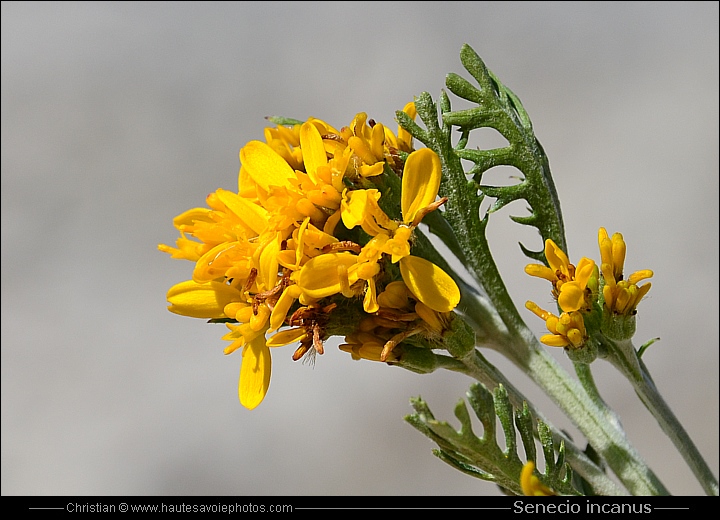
608, 274
252, 215
254, 373
361, 147
404, 137
639, 276
556, 257
201, 300
370, 303
554, 340
190, 216
575, 337
430, 317
355, 206
572, 296
299, 252
260, 317
606, 253
584, 270
642, 291
609, 296
541, 271
313, 149
331, 222
265, 166
215, 262
279, 312
377, 141
429, 284
371, 170
420, 182
320, 276
316, 239
540, 313
618, 255
394, 296
286, 337
268, 273
602, 235
531, 485
244, 331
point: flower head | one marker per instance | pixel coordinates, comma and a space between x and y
567, 330
269, 260
570, 283
621, 295
428, 283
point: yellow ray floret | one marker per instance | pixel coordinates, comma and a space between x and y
570, 283
429, 284
254, 372
568, 329
420, 183
201, 300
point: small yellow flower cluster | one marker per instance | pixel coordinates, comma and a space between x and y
400, 315
570, 289
568, 329
621, 296
575, 289
275, 253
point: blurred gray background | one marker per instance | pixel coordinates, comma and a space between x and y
118, 116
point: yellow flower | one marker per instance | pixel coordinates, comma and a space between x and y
621, 296
367, 346
530, 483
238, 273
254, 372
404, 139
372, 144
201, 300
569, 282
426, 281
399, 317
268, 250
568, 329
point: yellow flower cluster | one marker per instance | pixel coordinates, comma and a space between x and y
621, 296
272, 254
571, 288
400, 315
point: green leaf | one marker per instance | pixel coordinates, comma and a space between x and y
285, 121
482, 457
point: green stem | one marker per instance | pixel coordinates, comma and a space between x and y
588, 413
500, 109
650, 396
606, 437
588, 382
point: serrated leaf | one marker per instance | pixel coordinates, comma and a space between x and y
483, 405
504, 411
524, 424
482, 457
546, 441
